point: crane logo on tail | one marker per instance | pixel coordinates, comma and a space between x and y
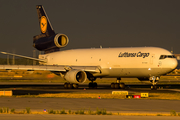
43, 24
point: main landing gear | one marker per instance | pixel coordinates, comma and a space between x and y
70, 86
92, 84
118, 85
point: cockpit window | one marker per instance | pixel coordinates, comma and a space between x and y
166, 56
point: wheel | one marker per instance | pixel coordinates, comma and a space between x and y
122, 85
90, 85
112, 85
70, 86
154, 87
116, 85
95, 85
75, 86
65, 85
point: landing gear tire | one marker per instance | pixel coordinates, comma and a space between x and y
154, 87
112, 85
116, 85
122, 85
92, 85
95, 85
75, 86
70, 86
65, 85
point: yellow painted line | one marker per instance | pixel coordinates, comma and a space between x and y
19, 76
120, 92
5, 93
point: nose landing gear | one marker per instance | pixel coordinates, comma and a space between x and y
154, 80
154, 87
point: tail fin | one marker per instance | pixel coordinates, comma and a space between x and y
48, 41
45, 25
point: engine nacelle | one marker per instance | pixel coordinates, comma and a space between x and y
61, 40
44, 43
75, 76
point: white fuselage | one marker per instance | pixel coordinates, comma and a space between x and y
117, 62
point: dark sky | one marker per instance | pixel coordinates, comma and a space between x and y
91, 23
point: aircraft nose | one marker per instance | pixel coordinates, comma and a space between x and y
174, 63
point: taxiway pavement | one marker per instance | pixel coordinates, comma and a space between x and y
126, 105
114, 105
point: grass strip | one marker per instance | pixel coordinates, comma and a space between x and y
98, 111
162, 96
82, 112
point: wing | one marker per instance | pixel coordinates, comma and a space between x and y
60, 68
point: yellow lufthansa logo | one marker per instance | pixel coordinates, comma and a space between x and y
43, 24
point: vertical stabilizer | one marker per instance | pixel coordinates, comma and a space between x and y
45, 25
48, 41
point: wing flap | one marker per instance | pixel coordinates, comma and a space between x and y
95, 69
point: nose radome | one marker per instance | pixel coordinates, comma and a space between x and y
174, 63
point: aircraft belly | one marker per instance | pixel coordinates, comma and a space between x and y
131, 72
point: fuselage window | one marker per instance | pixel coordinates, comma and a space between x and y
166, 56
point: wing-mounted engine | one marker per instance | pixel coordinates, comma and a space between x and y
54, 42
75, 76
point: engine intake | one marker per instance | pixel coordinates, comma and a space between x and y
76, 76
61, 40
44, 43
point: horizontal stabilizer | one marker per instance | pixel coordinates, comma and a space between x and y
42, 60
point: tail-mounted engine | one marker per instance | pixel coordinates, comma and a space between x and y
54, 42
48, 41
